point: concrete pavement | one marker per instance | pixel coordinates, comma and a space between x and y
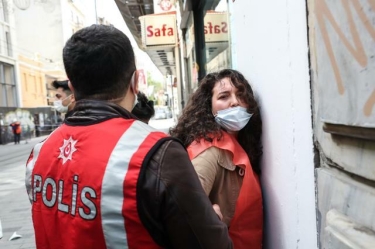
15, 208
162, 124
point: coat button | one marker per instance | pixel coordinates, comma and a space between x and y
241, 172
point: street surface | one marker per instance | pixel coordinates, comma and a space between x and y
15, 208
162, 124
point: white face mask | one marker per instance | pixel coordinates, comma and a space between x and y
233, 119
60, 107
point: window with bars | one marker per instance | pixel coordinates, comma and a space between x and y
3, 10
7, 86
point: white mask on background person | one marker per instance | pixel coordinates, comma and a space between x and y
233, 119
60, 107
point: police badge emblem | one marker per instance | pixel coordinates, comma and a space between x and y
67, 149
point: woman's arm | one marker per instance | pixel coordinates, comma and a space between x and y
206, 166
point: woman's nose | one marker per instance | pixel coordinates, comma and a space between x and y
235, 102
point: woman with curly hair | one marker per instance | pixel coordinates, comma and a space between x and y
221, 127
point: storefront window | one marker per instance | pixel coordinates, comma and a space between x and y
216, 31
217, 37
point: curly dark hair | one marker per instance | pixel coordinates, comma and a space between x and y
197, 120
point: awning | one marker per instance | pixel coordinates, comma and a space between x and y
164, 58
131, 10
162, 55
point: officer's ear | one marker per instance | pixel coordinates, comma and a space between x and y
134, 82
71, 86
71, 89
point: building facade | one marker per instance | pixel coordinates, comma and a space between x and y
9, 95
32, 79
42, 29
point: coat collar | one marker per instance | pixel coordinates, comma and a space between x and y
227, 142
95, 111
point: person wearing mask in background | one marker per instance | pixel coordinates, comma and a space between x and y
144, 109
65, 101
107, 180
221, 127
17, 130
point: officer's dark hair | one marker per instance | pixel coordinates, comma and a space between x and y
99, 62
144, 109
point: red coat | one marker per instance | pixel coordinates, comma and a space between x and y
246, 227
75, 194
16, 127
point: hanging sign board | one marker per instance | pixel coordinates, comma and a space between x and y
216, 27
159, 30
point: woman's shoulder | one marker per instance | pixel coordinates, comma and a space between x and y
212, 151
218, 156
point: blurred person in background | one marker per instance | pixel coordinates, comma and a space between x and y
17, 130
144, 109
27, 133
65, 100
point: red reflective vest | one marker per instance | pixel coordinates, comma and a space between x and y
82, 184
246, 226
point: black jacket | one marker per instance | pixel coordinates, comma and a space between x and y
171, 202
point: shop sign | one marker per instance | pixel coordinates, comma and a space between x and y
161, 6
216, 28
159, 30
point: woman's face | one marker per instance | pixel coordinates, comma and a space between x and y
224, 96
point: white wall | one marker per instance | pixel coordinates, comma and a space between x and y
270, 48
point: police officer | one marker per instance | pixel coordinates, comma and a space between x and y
107, 180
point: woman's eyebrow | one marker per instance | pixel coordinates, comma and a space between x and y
223, 92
